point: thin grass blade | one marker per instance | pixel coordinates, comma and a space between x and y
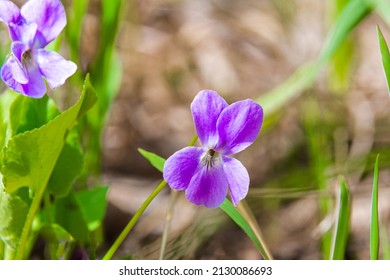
385, 56
374, 227
341, 230
233, 213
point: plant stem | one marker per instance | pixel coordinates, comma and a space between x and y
2, 249
36, 202
168, 219
133, 221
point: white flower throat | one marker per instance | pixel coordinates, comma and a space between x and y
210, 158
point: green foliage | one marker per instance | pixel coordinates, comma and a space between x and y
155, 160
68, 215
32, 167
385, 56
76, 15
374, 228
30, 157
232, 212
341, 229
305, 75
68, 167
13, 213
93, 205
106, 75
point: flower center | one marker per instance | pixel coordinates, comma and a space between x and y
210, 158
26, 57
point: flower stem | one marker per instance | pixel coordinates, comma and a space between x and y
133, 221
168, 219
193, 140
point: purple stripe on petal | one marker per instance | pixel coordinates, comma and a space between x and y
17, 71
49, 15
35, 87
7, 76
208, 187
9, 12
238, 126
54, 67
206, 108
237, 177
181, 166
24, 33
18, 48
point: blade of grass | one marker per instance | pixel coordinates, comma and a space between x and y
304, 76
341, 230
318, 152
245, 211
385, 56
233, 213
374, 227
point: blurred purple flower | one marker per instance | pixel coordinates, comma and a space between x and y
207, 173
31, 29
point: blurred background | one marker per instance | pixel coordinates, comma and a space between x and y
326, 107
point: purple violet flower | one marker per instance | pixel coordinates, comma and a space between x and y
31, 29
207, 173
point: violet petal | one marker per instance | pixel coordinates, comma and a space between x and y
206, 108
238, 126
237, 177
18, 48
208, 187
34, 87
181, 166
9, 12
49, 15
17, 71
7, 75
24, 33
54, 67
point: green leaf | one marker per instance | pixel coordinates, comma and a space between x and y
69, 216
374, 227
13, 212
155, 160
6, 99
30, 157
93, 205
232, 212
341, 230
55, 233
28, 113
68, 167
385, 56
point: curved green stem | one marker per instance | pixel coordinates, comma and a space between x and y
133, 221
